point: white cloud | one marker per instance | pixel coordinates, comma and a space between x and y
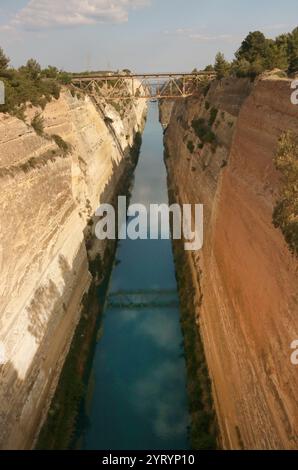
5, 27
39, 14
183, 31
189, 33
178, 32
202, 37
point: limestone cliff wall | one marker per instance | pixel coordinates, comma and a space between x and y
246, 299
47, 196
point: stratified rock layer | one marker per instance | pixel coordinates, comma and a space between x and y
47, 197
245, 273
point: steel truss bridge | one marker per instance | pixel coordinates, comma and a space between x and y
151, 86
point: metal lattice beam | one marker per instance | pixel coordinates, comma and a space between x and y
146, 86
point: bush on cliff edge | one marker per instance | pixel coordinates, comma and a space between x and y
29, 84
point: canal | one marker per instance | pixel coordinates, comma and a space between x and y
136, 396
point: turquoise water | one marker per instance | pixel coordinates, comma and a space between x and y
137, 390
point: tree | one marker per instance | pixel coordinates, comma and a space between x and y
4, 60
257, 54
244, 68
293, 51
50, 72
293, 65
209, 68
32, 68
240, 68
221, 66
282, 43
254, 46
64, 78
256, 67
277, 57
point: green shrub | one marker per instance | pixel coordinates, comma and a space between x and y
4, 60
258, 54
213, 116
221, 67
190, 146
38, 124
64, 146
29, 85
64, 78
203, 131
32, 69
50, 72
21, 89
20, 112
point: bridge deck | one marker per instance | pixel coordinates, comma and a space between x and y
120, 86
141, 75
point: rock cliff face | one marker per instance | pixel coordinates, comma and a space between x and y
246, 301
48, 193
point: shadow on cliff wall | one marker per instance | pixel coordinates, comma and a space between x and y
8, 415
18, 429
21, 413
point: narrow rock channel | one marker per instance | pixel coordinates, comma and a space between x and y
137, 391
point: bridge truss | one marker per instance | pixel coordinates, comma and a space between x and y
147, 86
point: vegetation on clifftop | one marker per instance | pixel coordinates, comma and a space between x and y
29, 84
258, 54
285, 214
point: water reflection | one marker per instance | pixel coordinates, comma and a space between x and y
137, 392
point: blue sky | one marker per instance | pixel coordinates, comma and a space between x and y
142, 35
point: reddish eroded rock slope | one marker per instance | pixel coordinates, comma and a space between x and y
246, 274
